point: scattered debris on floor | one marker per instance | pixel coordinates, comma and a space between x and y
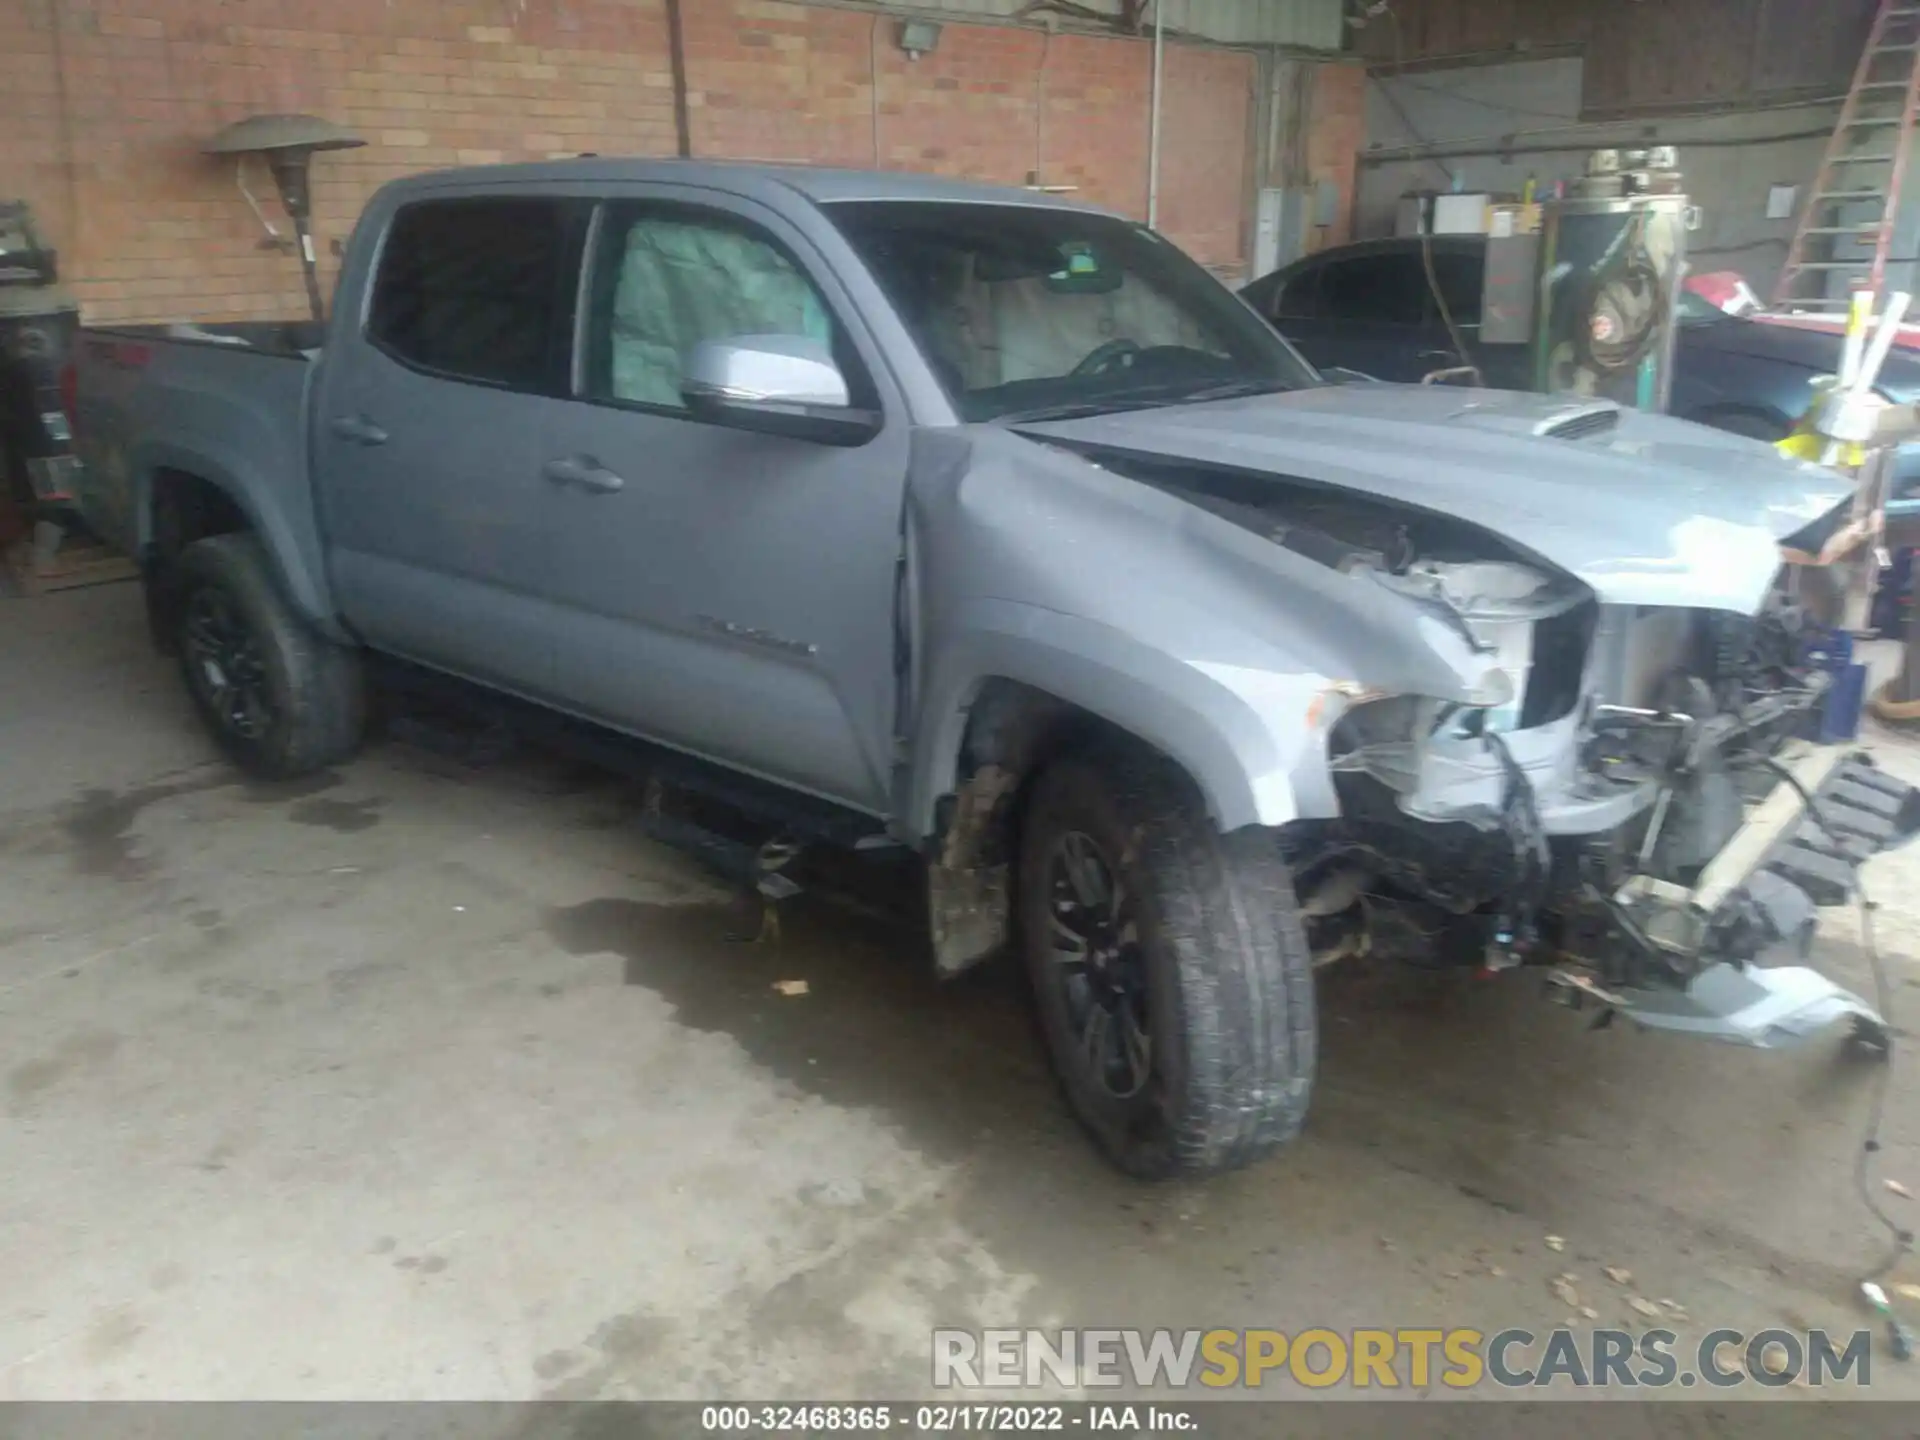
1894, 1187
1644, 1306
1562, 1287
1556, 1243
1899, 1337
791, 987
1619, 1276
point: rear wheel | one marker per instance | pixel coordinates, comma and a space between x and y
280, 698
1169, 968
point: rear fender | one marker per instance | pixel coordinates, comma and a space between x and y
283, 523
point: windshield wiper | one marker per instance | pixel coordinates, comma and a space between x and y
1076, 410
1230, 390
1146, 398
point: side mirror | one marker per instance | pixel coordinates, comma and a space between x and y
775, 385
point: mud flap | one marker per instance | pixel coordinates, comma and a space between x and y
1781, 866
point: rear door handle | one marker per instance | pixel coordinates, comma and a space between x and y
583, 471
358, 429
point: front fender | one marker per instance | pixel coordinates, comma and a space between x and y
1222, 649
1253, 740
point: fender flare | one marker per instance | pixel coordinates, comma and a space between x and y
1252, 741
291, 544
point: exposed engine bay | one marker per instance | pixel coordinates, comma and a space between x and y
1604, 809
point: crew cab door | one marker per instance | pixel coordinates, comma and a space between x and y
426, 434
725, 592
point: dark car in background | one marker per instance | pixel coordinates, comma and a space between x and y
1368, 307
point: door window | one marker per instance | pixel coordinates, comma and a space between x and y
1461, 278
668, 278
1299, 298
1384, 289
478, 290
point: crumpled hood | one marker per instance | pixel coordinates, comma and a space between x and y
1648, 511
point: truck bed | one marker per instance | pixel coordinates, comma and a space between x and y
294, 338
223, 398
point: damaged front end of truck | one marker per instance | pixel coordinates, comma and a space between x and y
1632, 801
1642, 818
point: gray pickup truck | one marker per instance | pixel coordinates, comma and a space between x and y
920, 514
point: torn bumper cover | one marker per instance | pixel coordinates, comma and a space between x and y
1759, 897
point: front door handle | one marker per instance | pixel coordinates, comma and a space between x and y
583, 471
358, 429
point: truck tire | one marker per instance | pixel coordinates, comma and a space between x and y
1170, 970
280, 698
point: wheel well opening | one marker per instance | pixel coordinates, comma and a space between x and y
1013, 733
187, 508
184, 508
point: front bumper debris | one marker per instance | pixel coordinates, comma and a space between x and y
1758, 899
1768, 1007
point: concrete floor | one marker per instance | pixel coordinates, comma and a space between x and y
414, 1081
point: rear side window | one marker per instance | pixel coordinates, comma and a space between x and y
1386, 289
478, 290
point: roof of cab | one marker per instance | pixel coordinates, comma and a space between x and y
822, 186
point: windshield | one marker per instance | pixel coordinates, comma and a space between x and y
1027, 312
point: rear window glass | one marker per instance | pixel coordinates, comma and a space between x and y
477, 290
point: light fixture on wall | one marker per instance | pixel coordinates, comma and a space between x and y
288, 144
919, 37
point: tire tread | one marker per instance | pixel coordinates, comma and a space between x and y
325, 709
1243, 972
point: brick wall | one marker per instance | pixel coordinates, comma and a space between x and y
1336, 134
109, 101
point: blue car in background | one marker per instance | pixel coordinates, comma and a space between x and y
1368, 307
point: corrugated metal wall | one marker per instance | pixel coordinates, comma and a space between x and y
1308, 24
1652, 59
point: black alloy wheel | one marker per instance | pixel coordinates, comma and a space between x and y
1095, 941
225, 665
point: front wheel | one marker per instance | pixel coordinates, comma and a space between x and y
280, 698
1169, 967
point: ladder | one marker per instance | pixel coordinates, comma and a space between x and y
1856, 196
